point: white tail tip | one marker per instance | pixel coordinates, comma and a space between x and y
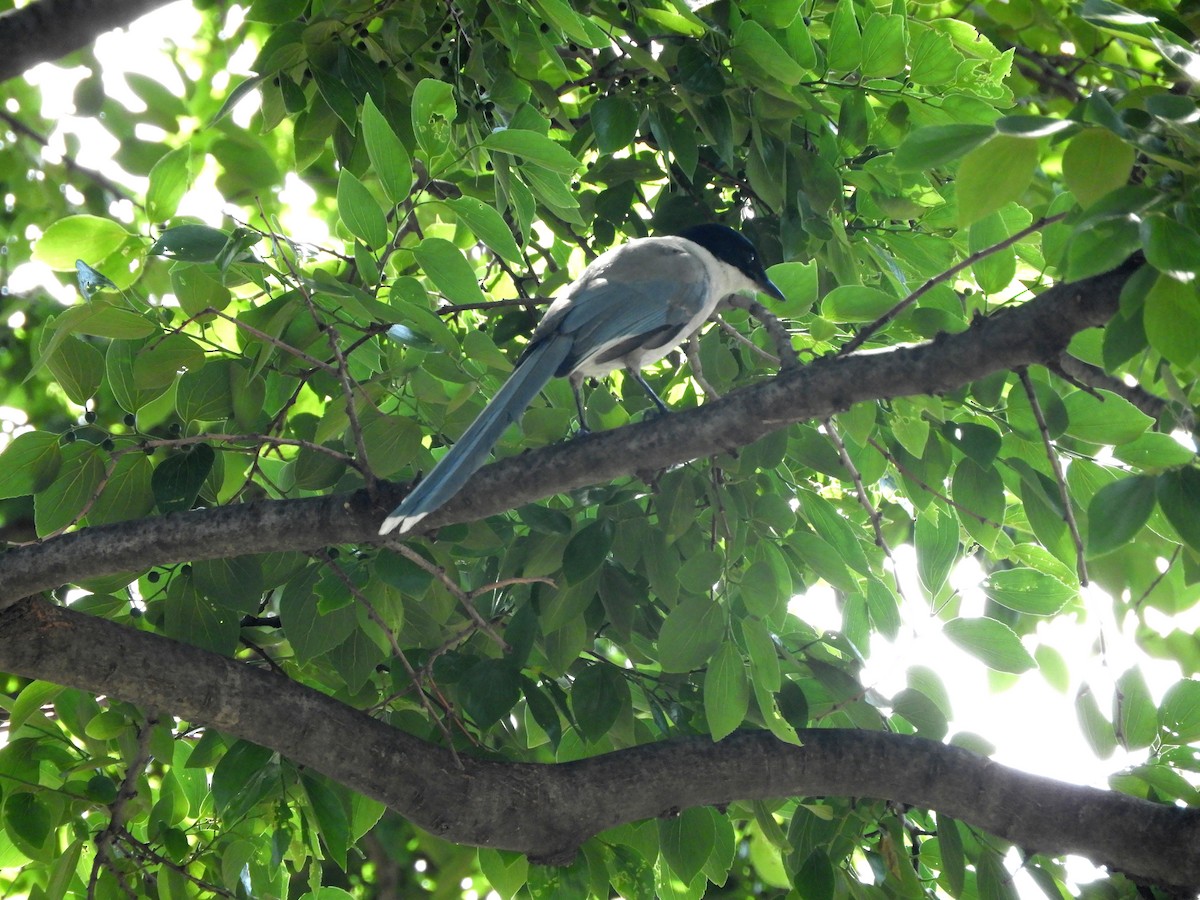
404, 523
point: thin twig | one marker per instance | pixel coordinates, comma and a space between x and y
116, 810
374, 616
789, 359
859, 339
1059, 477
464, 598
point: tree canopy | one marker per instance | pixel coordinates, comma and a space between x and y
591, 672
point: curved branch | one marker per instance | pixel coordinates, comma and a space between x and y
48, 29
1034, 333
548, 810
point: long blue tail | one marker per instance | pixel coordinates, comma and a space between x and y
472, 449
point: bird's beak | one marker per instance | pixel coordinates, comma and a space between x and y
768, 287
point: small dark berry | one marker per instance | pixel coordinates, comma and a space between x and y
544, 28
130, 419
69, 437
334, 552
573, 47
488, 165
408, 66
153, 576
445, 61
186, 569
447, 28
135, 612
275, 81
383, 64
361, 45
89, 416
147, 449
435, 46
107, 444
622, 6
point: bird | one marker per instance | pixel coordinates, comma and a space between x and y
629, 308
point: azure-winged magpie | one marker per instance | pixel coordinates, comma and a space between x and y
631, 307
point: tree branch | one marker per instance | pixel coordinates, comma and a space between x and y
48, 29
548, 810
1034, 333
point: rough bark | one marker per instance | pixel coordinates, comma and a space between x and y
1033, 333
46, 30
547, 811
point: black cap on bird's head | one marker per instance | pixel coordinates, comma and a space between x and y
731, 247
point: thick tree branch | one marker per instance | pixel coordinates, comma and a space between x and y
1034, 333
48, 29
546, 810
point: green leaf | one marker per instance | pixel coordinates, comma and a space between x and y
856, 303
994, 174
953, 860
1118, 511
1026, 590
1026, 126
686, 841
448, 269
1178, 496
534, 147
995, 271
1134, 712
489, 690
845, 40
360, 212
979, 490
1104, 418
235, 582
883, 46
487, 225
29, 464
700, 572
1097, 730
935, 145
937, 543
237, 768
506, 872
196, 290
1180, 711
190, 617
817, 877
587, 550
79, 478
1172, 320
615, 121
177, 480
754, 47
78, 368
127, 494
388, 157
991, 642
598, 695
1154, 450
1172, 247
692, 632
1096, 162
159, 363
28, 817
190, 243
726, 692
333, 822
206, 395
934, 59
86, 237
169, 181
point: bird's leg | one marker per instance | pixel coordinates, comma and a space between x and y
637, 376
577, 389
